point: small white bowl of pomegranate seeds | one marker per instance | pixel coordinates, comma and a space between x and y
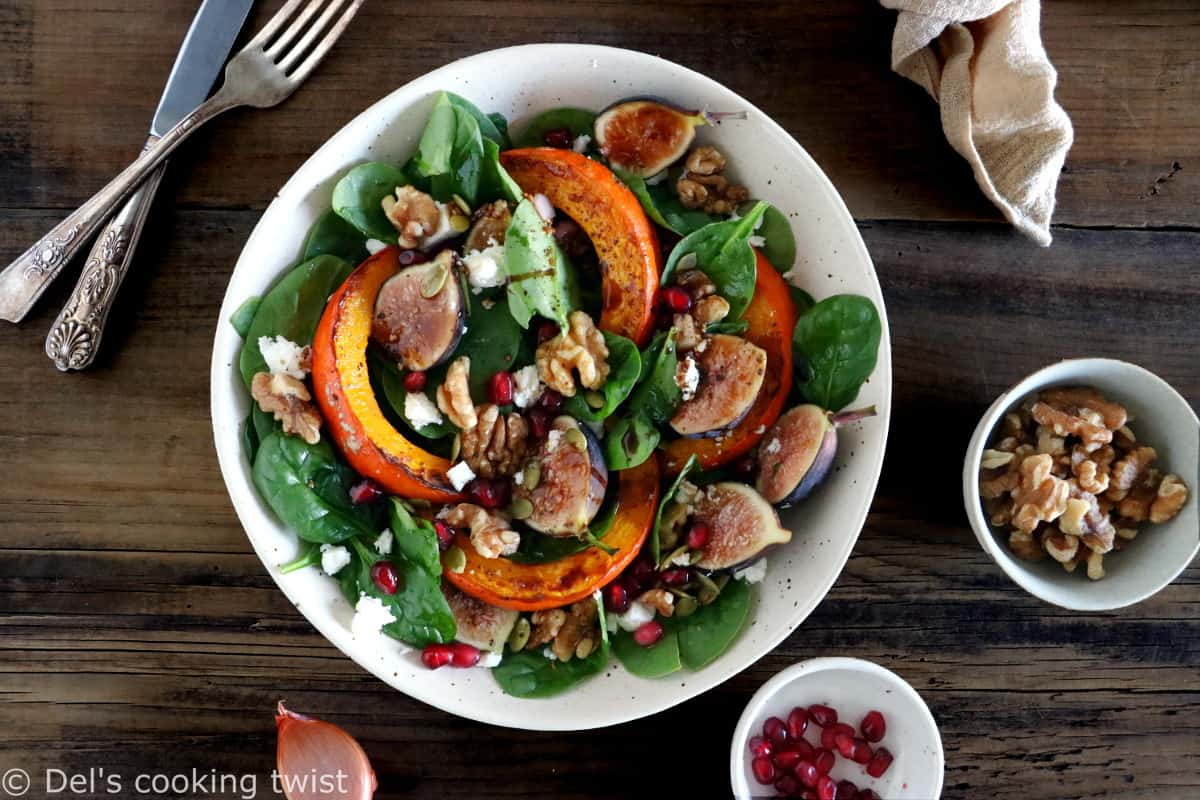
837, 729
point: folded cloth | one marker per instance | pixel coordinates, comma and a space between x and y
983, 62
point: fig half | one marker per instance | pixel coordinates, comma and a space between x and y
565, 481
421, 313
479, 624
741, 525
645, 135
798, 451
731, 375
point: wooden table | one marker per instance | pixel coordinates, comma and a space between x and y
141, 634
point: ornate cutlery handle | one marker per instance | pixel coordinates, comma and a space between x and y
75, 336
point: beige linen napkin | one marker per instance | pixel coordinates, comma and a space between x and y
984, 63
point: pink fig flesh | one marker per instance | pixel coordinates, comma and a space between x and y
798, 452
741, 525
731, 375
572, 481
419, 331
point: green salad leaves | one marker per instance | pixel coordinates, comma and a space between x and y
837, 342
540, 279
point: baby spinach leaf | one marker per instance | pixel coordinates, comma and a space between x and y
733, 328
625, 367
437, 140
708, 633
779, 243
308, 489
801, 299
630, 442
657, 396
530, 674
661, 204
466, 162
486, 122
838, 339
539, 274
292, 309
459, 153
723, 253
358, 198
413, 537
501, 123
264, 423
578, 120
334, 236
310, 556
492, 341
249, 438
496, 183
667, 498
657, 660
423, 616
244, 315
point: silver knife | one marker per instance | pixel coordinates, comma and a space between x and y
75, 336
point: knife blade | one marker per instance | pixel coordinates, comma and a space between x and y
201, 57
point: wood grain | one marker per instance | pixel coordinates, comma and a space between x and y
139, 632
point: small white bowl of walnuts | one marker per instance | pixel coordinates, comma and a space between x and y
1080, 482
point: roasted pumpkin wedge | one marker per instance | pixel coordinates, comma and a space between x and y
771, 316
623, 237
343, 391
531, 587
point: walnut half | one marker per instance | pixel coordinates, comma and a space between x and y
578, 349
289, 401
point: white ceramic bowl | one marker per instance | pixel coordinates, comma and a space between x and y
519, 82
1162, 419
852, 687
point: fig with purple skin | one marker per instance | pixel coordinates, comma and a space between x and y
421, 313
741, 525
565, 481
798, 451
645, 135
479, 624
731, 374
489, 224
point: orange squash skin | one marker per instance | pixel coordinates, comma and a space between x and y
532, 587
772, 318
625, 241
343, 392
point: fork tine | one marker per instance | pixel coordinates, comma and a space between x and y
322, 47
297, 51
296, 26
274, 24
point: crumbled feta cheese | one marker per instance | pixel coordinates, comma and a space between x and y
383, 542
656, 178
282, 356
682, 559
757, 241
638, 615
687, 378
519, 478
374, 246
753, 573
370, 615
549, 654
581, 143
333, 558
485, 268
544, 207
552, 439
445, 228
489, 660
760, 430
527, 386
772, 447
420, 410
460, 475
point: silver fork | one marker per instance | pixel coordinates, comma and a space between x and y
275, 62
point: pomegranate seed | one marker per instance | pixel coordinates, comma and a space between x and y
445, 534
806, 772
365, 491
760, 746
437, 655
385, 577
787, 760
830, 734
787, 786
845, 745
824, 761
677, 299
879, 762
558, 137
642, 572
822, 715
464, 655
862, 752
539, 422
547, 330
827, 788
806, 750
414, 381
616, 599
847, 790
409, 257
648, 634
797, 722
775, 730
676, 576
868, 794
697, 537
488, 493
501, 388
550, 400
764, 770
873, 727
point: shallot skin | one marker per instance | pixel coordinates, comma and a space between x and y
317, 760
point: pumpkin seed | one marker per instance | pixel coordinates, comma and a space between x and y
461, 203
455, 559
669, 561
521, 508
436, 280
533, 476
455, 447
709, 589
520, 635
594, 399
576, 439
458, 223
685, 606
